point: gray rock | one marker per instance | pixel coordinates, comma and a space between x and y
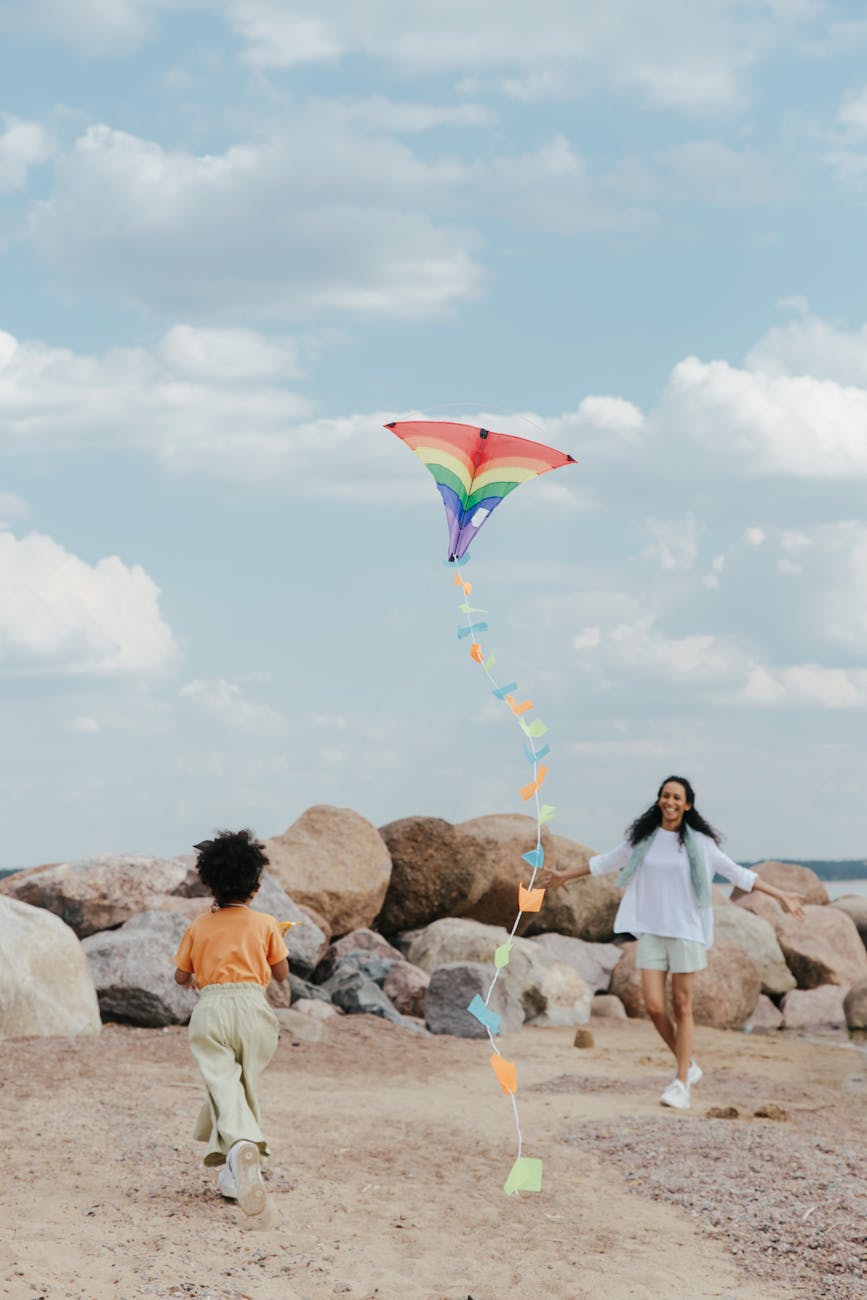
594, 962
356, 994
452, 988
305, 989
305, 941
756, 937
549, 991
371, 964
45, 983
361, 940
133, 971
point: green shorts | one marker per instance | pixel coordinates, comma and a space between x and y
680, 956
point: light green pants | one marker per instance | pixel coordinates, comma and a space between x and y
233, 1035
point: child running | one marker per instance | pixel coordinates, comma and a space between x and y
230, 955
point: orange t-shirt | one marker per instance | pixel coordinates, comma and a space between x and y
233, 946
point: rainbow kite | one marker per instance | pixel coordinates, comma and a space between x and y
474, 469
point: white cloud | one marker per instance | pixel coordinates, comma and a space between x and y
760, 423
755, 536
84, 724
690, 57
225, 703
61, 614
808, 345
320, 218
93, 27
675, 543
807, 684
22, 145
11, 508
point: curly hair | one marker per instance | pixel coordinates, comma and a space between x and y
230, 866
645, 824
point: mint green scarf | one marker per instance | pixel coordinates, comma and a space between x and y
697, 873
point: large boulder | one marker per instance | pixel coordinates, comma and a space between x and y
815, 1008
756, 937
451, 990
102, 892
824, 948
792, 878
432, 874
305, 940
855, 1006
133, 971
45, 983
549, 991
855, 905
335, 861
583, 909
725, 994
594, 962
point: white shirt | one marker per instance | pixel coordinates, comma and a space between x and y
659, 898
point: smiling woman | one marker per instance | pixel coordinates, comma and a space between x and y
666, 865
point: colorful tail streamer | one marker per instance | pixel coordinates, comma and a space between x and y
526, 1172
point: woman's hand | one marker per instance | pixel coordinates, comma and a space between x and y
548, 878
793, 903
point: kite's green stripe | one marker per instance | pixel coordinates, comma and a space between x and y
448, 479
491, 490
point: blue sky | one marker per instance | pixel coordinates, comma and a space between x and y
236, 236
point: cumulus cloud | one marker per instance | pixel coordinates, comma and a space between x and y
225, 703
689, 58
22, 145
93, 27
61, 614
320, 218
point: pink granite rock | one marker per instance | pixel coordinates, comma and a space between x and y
406, 986
792, 878
724, 995
815, 1008
335, 861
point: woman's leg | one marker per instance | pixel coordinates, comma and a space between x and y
681, 996
653, 989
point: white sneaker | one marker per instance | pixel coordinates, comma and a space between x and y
243, 1164
226, 1185
694, 1074
676, 1095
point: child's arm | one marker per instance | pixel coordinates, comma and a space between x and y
279, 971
183, 977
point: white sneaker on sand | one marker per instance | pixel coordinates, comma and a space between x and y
694, 1074
243, 1164
226, 1184
676, 1095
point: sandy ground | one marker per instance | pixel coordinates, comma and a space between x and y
389, 1155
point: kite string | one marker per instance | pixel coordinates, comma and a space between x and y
497, 689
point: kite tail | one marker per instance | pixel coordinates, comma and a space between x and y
526, 1172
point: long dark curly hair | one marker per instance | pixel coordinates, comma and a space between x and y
230, 866
651, 818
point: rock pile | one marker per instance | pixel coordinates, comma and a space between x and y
403, 923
